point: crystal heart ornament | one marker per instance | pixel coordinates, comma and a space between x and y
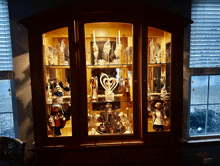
108, 83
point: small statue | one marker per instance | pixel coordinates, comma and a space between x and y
164, 94
152, 51
158, 51
57, 120
95, 50
158, 117
126, 93
128, 54
67, 56
62, 56
58, 90
66, 88
112, 55
118, 53
48, 94
106, 50
94, 88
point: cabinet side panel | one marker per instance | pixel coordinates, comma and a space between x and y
37, 84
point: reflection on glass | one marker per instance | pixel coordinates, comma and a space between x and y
213, 123
199, 90
159, 59
214, 89
109, 62
197, 119
57, 82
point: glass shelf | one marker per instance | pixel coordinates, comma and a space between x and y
64, 97
67, 102
58, 66
109, 66
102, 100
157, 64
157, 100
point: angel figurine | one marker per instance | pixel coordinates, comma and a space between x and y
94, 88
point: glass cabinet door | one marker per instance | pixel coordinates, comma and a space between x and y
159, 69
109, 70
56, 61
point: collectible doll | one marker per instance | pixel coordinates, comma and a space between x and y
158, 117
57, 120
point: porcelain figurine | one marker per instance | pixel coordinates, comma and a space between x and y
94, 88
57, 120
158, 117
126, 87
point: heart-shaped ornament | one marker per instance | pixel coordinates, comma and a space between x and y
108, 83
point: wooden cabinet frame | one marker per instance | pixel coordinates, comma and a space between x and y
75, 18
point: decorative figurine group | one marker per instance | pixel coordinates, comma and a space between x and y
57, 89
109, 84
106, 50
59, 54
155, 51
110, 121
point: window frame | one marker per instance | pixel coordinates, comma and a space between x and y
202, 137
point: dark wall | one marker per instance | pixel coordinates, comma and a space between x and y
23, 8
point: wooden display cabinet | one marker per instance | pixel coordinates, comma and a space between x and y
105, 70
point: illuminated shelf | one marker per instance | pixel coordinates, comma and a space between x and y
158, 65
108, 66
158, 100
65, 102
58, 67
102, 100
64, 97
156, 93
